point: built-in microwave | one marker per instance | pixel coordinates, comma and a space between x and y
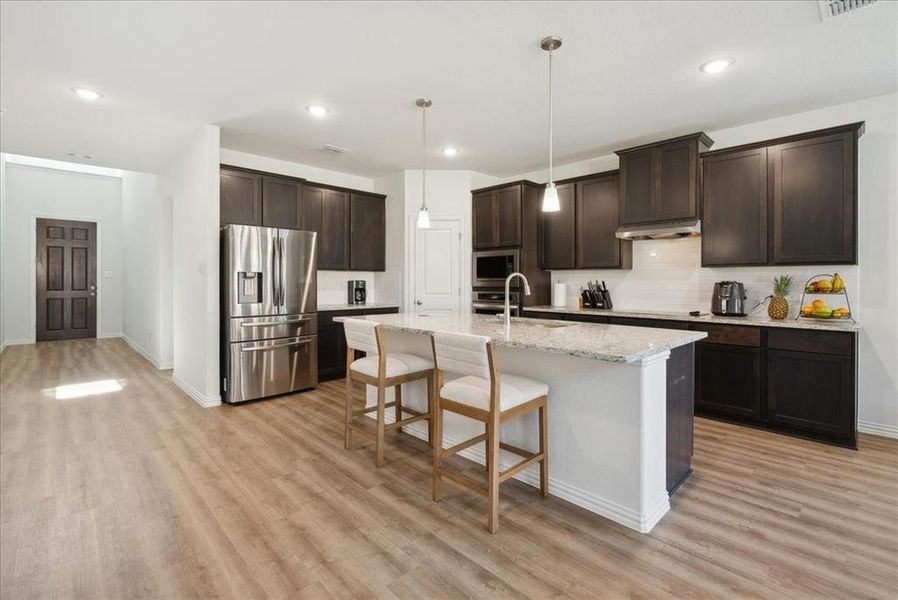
491, 267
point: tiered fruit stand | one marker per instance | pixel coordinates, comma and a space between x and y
833, 315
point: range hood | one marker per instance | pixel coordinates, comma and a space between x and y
660, 231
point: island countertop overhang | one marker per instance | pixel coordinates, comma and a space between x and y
596, 341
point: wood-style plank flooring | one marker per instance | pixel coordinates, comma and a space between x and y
142, 493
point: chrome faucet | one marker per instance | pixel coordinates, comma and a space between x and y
508, 296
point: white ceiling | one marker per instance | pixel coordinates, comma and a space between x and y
627, 73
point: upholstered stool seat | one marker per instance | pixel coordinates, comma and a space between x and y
475, 391
397, 364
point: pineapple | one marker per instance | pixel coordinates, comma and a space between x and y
779, 306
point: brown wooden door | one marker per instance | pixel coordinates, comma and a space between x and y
484, 221
508, 216
240, 197
676, 176
66, 280
281, 202
734, 208
637, 186
327, 212
556, 232
814, 204
367, 233
598, 216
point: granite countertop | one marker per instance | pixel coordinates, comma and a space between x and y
757, 320
333, 307
613, 343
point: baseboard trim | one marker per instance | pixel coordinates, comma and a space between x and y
889, 431
146, 354
9, 343
195, 394
103, 336
643, 523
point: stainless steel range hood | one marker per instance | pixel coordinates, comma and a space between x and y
660, 231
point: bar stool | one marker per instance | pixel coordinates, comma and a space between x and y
484, 394
382, 370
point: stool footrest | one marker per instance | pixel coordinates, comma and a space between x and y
471, 484
408, 421
511, 472
516, 450
466, 444
371, 409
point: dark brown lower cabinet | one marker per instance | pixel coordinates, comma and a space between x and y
805, 393
729, 381
332, 340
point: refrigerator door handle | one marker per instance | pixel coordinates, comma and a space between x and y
283, 275
275, 272
275, 346
272, 323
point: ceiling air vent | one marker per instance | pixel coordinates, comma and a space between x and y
331, 149
835, 8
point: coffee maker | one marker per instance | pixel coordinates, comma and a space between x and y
356, 292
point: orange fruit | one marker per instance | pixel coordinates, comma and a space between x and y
817, 303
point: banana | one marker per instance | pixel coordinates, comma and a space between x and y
838, 283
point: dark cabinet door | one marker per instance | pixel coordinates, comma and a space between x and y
637, 180
508, 216
327, 212
367, 233
240, 197
728, 381
557, 243
484, 232
813, 200
281, 202
331, 352
598, 216
734, 208
676, 175
812, 393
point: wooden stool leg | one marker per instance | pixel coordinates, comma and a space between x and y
398, 398
379, 443
492, 452
347, 436
544, 448
437, 444
430, 410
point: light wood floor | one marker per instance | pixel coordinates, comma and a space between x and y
142, 493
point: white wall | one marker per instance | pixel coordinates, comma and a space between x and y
685, 283
38, 192
191, 181
284, 167
2, 237
147, 230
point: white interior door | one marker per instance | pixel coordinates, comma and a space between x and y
437, 285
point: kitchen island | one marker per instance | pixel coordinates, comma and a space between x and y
620, 405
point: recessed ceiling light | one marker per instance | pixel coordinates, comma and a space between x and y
716, 65
316, 110
86, 93
450, 152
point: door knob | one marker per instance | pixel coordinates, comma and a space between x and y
92, 294
93, 287
418, 302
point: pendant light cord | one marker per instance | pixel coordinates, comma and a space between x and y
424, 156
551, 181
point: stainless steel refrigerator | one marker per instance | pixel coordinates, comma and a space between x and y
269, 310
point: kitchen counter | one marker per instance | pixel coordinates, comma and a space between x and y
752, 320
620, 405
613, 343
368, 306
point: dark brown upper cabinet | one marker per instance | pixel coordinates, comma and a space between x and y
326, 211
497, 217
240, 197
557, 237
598, 216
814, 198
367, 233
788, 201
281, 200
661, 181
734, 208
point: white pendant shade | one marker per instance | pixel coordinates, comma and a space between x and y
550, 199
423, 218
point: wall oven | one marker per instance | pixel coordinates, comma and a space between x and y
491, 267
493, 302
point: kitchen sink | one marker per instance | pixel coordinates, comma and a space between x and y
553, 325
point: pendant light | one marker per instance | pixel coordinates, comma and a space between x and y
423, 215
550, 196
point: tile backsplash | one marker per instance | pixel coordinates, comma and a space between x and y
382, 286
667, 276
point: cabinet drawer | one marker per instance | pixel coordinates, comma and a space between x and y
823, 342
656, 323
733, 335
326, 319
381, 311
